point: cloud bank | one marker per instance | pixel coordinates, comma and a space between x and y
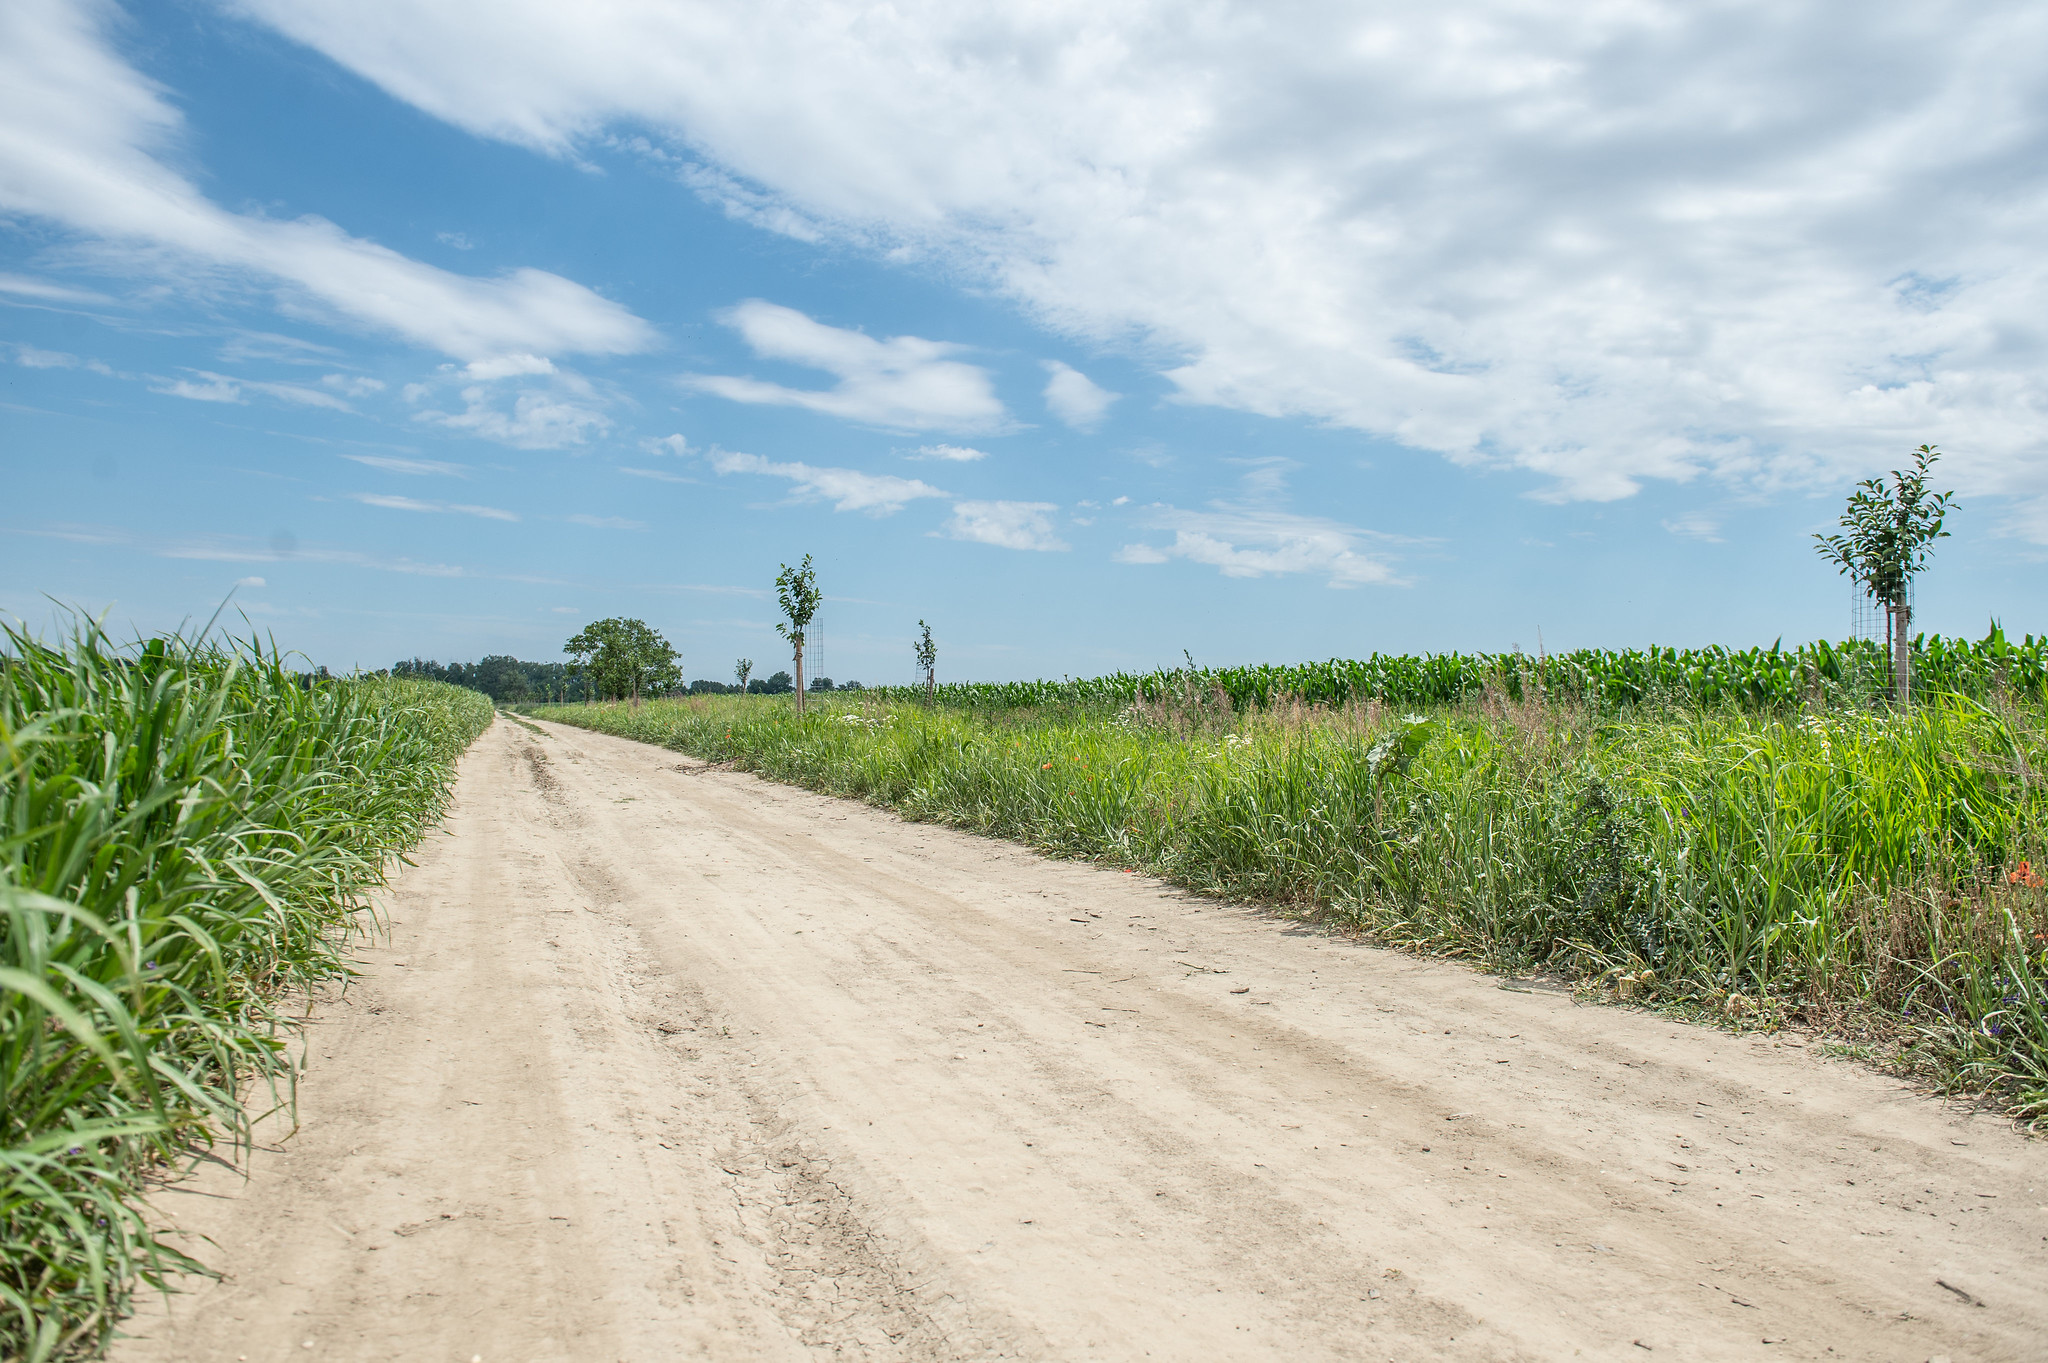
1600, 243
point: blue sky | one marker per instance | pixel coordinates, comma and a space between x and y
1087, 333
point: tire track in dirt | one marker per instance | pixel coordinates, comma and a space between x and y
662, 1061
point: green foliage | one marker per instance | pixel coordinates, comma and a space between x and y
796, 590
1889, 530
927, 654
1831, 865
625, 657
504, 679
1769, 680
187, 831
741, 670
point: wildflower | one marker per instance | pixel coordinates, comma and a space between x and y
1045, 766
2024, 874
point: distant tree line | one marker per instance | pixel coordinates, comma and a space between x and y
511, 681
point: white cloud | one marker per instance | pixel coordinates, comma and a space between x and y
1074, 398
508, 366
537, 421
607, 522
355, 385
233, 549
905, 383
83, 143
1253, 542
224, 388
32, 358
1695, 525
656, 474
455, 239
1007, 525
394, 503
667, 444
1600, 243
250, 582
215, 390
878, 494
24, 287
955, 454
418, 468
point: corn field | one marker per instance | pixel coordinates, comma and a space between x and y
1774, 678
188, 831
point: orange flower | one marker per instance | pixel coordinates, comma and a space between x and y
2026, 875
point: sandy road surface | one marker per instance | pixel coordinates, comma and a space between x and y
662, 1063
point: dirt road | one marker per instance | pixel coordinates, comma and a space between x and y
662, 1063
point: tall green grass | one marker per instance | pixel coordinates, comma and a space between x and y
1851, 869
185, 831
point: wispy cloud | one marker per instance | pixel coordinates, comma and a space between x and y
394, 503
224, 388
949, 454
1695, 525
238, 549
656, 474
416, 468
877, 494
1007, 525
904, 383
354, 385
23, 287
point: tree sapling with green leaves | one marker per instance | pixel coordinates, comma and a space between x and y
1888, 532
742, 670
797, 591
927, 661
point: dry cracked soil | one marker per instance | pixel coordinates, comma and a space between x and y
659, 1061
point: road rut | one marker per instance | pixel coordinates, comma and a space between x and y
664, 1061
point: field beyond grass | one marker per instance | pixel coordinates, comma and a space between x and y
1876, 876
187, 834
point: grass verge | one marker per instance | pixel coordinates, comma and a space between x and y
1876, 876
187, 832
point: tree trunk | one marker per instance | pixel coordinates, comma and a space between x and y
799, 676
1902, 654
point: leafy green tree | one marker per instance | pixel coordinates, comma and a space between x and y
743, 669
927, 661
1888, 532
778, 684
623, 657
502, 678
797, 591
